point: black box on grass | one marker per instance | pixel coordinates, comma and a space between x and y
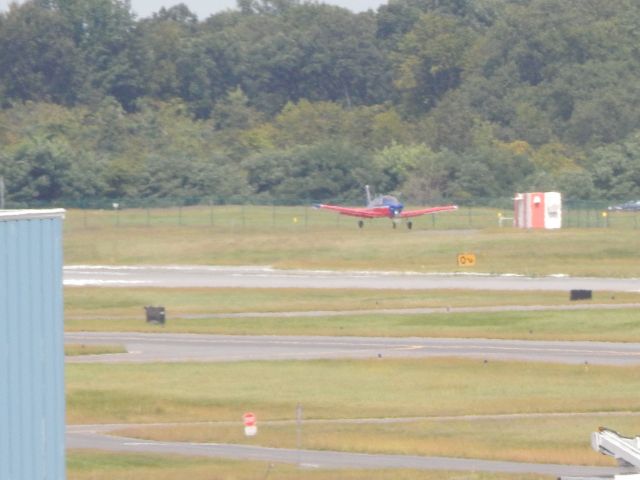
155, 315
580, 295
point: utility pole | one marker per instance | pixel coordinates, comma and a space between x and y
299, 433
1, 193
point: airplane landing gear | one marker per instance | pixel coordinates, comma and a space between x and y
360, 224
409, 225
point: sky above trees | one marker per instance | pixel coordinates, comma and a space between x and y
204, 8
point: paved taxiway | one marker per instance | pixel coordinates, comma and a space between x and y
166, 347
266, 277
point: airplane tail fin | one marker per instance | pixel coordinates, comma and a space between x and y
368, 190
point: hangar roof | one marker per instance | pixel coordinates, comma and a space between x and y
28, 214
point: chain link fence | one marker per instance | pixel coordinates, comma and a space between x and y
495, 213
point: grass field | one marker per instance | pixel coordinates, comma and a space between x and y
91, 302
589, 251
352, 389
299, 237
551, 439
341, 389
99, 309
589, 325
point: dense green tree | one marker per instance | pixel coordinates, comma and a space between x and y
616, 169
341, 61
37, 171
167, 36
397, 18
431, 60
38, 57
398, 163
106, 33
320, 172
559, 65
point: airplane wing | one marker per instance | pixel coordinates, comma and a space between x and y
427, 211
352, 212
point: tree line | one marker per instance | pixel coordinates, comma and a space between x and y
292, 100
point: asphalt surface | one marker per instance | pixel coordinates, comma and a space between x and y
266, 277
166, 347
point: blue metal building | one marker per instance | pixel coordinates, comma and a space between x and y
32, 408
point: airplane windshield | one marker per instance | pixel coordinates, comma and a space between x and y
389, 200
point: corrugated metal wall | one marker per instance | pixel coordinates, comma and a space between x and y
32, 410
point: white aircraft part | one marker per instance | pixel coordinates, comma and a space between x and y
366, 188
625, 450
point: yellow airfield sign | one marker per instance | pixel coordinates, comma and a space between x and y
466, 259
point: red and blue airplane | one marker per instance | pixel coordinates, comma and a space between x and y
384, 206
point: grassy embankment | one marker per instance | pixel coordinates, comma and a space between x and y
378, 388
94, 238
553, 439
116, 309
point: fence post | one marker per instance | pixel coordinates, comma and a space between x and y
299, 433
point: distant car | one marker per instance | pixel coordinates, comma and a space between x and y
632, 206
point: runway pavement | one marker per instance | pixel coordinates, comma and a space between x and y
147, 347
266, 277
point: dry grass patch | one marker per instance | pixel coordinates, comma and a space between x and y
81, 349
552, 439
621, 325
146, 393
120, 302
